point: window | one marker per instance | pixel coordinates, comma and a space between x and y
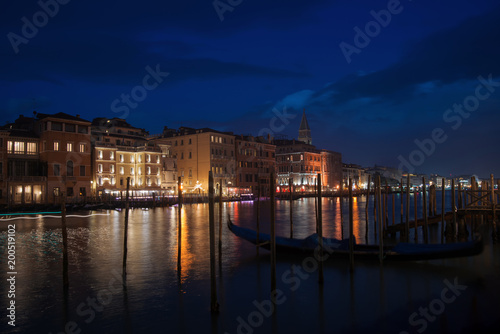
132, 181
111, 155
82, 170
112, 169
121, 181
32, 148
69, 168
69, 191
139, 182
56, 146
140, 158
56, 191
190, 142
132, 158
190, 173
57, 170
149, 182
182, 173
18, 147
157, 159
99, 181
99, 154
83, 129
121, 157
69, 147
149, 170
131, 170
44, 145
122, 170
99, 168
83, 191
148, 158
70, 127
82, 148
182, 141
182, 155
112, 180
139, 170
56, 126
190, 155
9, 147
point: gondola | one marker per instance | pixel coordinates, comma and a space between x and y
340, 248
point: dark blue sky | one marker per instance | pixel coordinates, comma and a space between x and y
283, 55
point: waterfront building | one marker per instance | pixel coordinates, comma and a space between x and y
255, 159
198, 151
121, 151
301, 161
357, 174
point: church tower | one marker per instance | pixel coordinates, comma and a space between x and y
304, 130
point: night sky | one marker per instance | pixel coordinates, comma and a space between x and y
252, 66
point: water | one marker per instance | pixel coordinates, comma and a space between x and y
373, 298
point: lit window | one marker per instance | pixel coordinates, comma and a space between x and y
121, 157
9, 147
132, 158
140, 158
149, 182
112, 169
148, 159
99, 154
149, 170
158, 181
82, 148
157, 159
139, 171
112, 180
131, 170
122, 170
32, 148
99, 168
100, 180
69, 147
111, 155
18, 147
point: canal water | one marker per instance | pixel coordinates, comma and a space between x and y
458, 295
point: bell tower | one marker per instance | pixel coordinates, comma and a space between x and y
304, 130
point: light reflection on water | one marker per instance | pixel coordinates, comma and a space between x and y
372, 299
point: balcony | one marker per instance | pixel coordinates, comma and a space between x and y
27, 179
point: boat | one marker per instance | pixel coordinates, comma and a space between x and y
340, 248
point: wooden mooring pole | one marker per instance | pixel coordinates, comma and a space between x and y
220, 218
125, 233
366, 208
493, 208
380, 222
415, 229
341, 199
259, 185
407, 230
351, 228
443, 188
272, 190
214, 305
179, 223
320, 230
424, 210
290, 190
65, 242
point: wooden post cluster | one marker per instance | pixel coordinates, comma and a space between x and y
125, 233
214, 305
